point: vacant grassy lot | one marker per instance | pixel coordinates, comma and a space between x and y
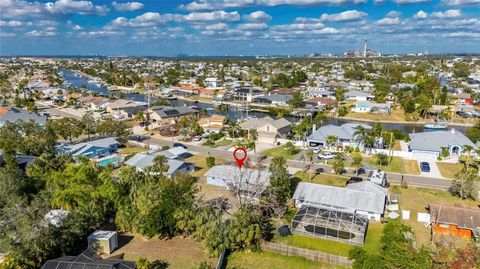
200, 162
417, 199
396, 115
398, 165
129, 150
269, 260
222, 143
180, 253
325, 179
282, 151
449, 170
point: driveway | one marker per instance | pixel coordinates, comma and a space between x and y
434, 171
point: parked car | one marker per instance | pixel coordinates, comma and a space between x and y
463, 114
176, 144
197, 138
316, 150
354, 180
326, 155
425, 167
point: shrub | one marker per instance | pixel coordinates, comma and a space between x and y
210, 161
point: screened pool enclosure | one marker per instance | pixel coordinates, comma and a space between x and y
330, 223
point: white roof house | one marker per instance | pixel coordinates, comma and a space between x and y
246, 179
347, 199
345, 134
94, 148
143, 160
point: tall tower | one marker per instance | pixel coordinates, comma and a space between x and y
365, 48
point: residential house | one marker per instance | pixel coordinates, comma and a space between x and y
428, 145
174, 161
94, 102
122, 108
285, 91
363, 201
247, 180
371, 107
313, 93
211, 93
13, 114
212, 124
358, 96
268, 129
88, 259
247, 94
211, 83
321, 102
169, 115
92, 149
273, 99
453, 220
344, 133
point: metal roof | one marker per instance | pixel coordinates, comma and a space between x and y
340, 198
344, 132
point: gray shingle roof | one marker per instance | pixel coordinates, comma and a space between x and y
434, 141
348, 199
168, 112
258, 123
144, 160
87, 260
230, 174
344, 132
15, 114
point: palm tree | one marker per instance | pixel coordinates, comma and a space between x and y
360, 134
357, 162
309, 155
331, 140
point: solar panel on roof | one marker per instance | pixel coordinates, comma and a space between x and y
171, 112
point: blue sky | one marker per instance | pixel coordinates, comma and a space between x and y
237, 27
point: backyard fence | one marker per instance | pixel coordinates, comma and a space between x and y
306, 253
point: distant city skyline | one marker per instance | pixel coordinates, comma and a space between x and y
237, 27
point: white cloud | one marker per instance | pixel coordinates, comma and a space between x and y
259, 16
350, 15
224, 4
129, 6
252, 26
389, 21
298, 26
24, 10
393, 14
100, 33
452, 13
11, 23
403, 2
79, 7
212, 16
421, 15
457, 3
217, 27
41, 33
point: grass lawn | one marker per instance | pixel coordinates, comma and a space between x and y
222, 143
282, 152
417, 199
374, 232
200, 162
325, 179
323, 245
180, 253
398, 165
396, 115
269, 260
449, 170
130, 150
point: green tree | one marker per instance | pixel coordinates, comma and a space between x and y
68, 128
339, 164
297, 100
309, 157
464, 184
210, 161
382, 159
357, 162
279, 189
89, 124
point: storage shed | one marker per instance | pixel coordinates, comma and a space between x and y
103, 241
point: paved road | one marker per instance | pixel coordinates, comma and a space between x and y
393, 178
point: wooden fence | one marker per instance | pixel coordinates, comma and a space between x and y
306, 253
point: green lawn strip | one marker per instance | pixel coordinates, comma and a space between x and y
282, 152
323, 245
449, 170
325, 179
270, 260
223, 142
396, 165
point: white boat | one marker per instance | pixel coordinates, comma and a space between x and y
436, 126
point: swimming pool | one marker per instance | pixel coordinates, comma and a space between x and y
111, 160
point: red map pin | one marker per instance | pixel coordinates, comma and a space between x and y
240, 154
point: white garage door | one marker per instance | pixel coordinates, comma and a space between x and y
424, 155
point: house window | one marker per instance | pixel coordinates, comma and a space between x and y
268, 128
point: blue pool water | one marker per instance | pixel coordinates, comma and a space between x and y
112, 160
